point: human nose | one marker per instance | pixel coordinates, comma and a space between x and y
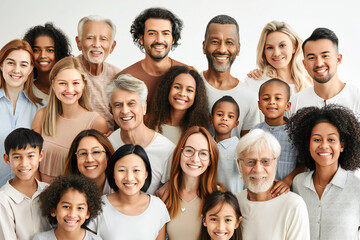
319, 62
276, 51
195, 157
89, 158
221, 225
69, 87
222, 47
129, 176
324, 144
72, 212
96, 42
124, 109
42, 54
258, 167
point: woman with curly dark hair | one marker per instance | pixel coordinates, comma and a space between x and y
328, 143
180, 103
49, 45
70, 203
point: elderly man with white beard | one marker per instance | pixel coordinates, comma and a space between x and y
265, 217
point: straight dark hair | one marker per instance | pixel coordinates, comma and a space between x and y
21, 138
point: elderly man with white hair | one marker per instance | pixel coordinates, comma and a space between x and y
128, 100
95, 39
265, 217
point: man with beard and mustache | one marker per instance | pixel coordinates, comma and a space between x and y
221, 46
265, 217
155, 31
321, 59
96, 41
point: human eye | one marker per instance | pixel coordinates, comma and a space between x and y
10, 62
51, 50
214, 41
278, 98
332, 140
83, 154
166, 33
266, 161
35, 50
268, 48
231, 116
176, 87
219, 114
250, 161
265, 98
229, 43
24, 65
283, 45
228, 220
132, 103
190, 90
121, 170
213, 219
31, 155
117, 104
66, 206
204, 153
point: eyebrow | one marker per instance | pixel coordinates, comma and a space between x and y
10, 59
45, 46
64, 202
316, 134
183, 84
20, 153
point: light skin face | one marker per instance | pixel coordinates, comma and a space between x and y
221, 221
278, 50
44, 53
127, 109
325, 145
96, 41
16, 69
221, 46
258, 178
68, 86
224, 118
182, 92
90, 167
194, 166
321, 60
71, 211
273, 103
157, 39
24, 162
130, 174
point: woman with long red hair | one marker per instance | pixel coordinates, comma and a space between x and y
192, 179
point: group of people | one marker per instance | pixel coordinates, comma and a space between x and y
87, 147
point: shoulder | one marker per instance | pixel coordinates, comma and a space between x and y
304, 93
163, 141
242, 196
99, 123
177, 63
259, 125
130, 69
49, 235
157, 202
115, 139
90, 236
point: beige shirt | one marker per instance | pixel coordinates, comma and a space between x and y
20, 216
187, 223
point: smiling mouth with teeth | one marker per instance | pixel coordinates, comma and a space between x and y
72, 222
126, 118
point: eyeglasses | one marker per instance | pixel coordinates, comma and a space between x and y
251, 162
203, 154
83, 154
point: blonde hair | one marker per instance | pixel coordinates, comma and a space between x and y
54, 106
297, 69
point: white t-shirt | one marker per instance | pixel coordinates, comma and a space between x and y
50, 235
173, 133
112, 224
347, 97
245, 98
283, 217
159, 152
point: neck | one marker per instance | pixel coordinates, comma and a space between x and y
220, 137
71, 111
100, 182
220, 80
156, 68
141, 135
42, 82
190, 183
176, 117
275, 122
263, 196
77, 233
126, 200
28, 187
285, 75
323, 175
13, 94
92, 68
330, 89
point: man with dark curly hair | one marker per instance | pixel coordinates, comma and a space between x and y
155, 31
96, 40
221, 46
321, 59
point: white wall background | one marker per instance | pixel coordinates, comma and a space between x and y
303, 15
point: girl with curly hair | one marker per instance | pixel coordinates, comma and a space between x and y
70, 203
328, 143
180, 103
49, 45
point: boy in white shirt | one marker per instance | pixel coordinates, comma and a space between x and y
20, 216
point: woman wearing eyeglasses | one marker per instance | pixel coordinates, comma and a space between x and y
88, 155
192, 179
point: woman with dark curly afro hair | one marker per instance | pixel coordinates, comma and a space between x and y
69, 204
179, 104
49, 45
328, 143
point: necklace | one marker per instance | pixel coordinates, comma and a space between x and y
317, 184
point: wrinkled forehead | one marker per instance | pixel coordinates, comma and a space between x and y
97, 28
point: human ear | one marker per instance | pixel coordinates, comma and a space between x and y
77, 39
141, 40
238, 222
41, 155
342, 146
203, 220
6, 159
53, 212
113, 46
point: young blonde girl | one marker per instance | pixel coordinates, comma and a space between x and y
67, 113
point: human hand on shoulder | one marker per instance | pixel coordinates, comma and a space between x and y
163, 192
255, 74
280, 187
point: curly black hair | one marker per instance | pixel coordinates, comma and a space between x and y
197, 115
138, 26
51, 196
301, 124
61, 41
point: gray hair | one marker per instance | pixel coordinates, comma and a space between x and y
96, 18
129, 83
258, 140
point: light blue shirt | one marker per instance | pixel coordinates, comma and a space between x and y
24, 114
337, 214
287, 159
228, 172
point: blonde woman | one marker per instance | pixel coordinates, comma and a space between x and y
68, 113
279, 55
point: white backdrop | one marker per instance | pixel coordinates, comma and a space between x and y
303, 15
